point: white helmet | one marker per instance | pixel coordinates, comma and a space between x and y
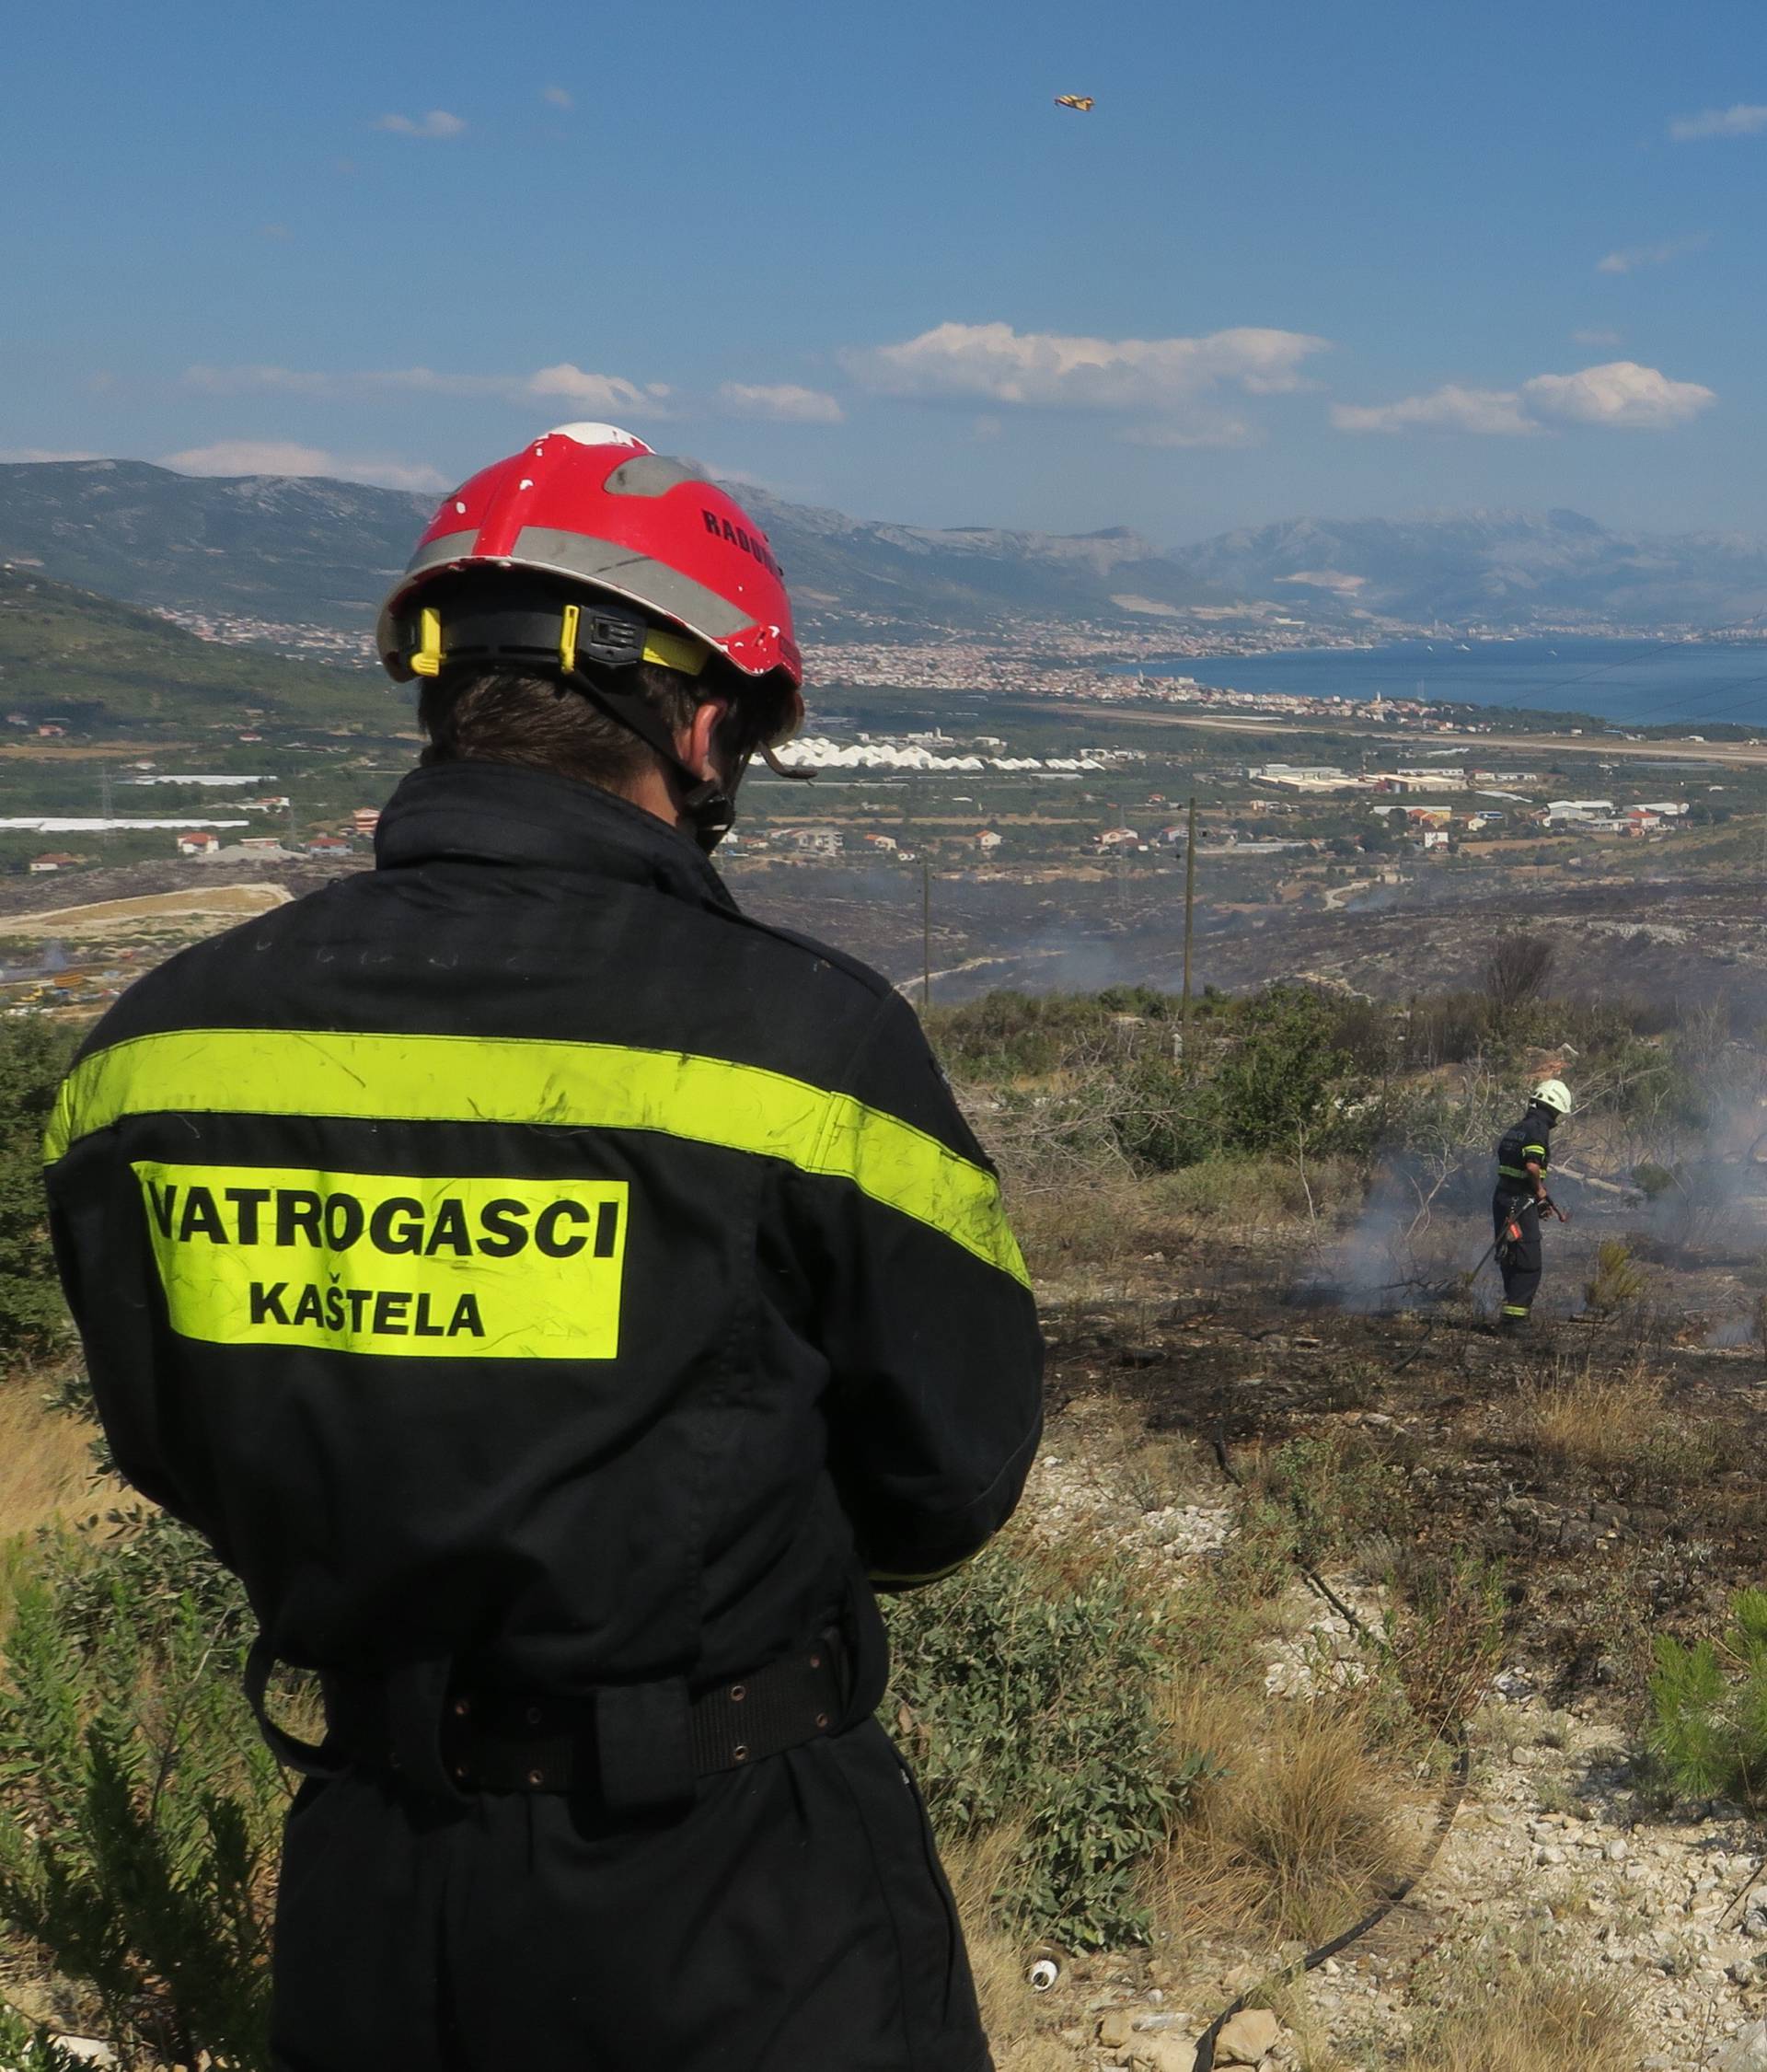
1554, 1093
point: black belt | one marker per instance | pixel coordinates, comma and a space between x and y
495, 1740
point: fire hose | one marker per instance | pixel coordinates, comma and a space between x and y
1511, 1232
1454, 1793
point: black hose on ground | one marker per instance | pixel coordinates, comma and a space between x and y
1454, 1793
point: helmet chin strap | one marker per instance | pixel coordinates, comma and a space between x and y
707, 803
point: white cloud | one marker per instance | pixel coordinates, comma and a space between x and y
1452, 408
783, 403
1622, 394
1745, 120
555, 97
438, 123
1632, 257
596, 391
601, 392
1170, 378
1597, 337
283, 456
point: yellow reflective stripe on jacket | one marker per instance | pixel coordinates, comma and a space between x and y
517, 1080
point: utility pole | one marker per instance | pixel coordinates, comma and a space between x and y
926, 933
106, 796
1190, 917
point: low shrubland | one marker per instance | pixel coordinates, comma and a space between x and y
1119, 1126
1100, 1734
1028, 1695
1116, 1749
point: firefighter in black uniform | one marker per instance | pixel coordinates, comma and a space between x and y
1523, 1161
566, 1303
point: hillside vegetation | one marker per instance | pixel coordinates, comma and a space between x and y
97, 666
1223, 1684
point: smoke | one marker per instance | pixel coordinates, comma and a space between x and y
1414, 1241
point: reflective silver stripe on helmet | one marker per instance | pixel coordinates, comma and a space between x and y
652, 474
445, 547
637, 576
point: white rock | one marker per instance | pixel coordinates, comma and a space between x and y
1246, 2040
1748, 2052
1162, 2053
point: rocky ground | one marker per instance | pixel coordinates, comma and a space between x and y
1560, 1854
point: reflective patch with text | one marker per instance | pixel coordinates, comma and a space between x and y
383, 1263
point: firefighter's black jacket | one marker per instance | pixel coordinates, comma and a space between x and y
515, 1256
1530, 1140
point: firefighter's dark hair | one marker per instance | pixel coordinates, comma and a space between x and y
516, 715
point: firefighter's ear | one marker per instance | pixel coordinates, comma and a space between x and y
697, 740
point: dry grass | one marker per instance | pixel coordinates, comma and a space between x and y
1528, 2014
1103, 1219
45, 1464
1095, 1227
45, 1476
1603, 1421
1315, 1817
978, 1869
1258, 1194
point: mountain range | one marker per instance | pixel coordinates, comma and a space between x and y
284, 552
1494, 569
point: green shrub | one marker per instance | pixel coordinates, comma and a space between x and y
33, 1056
26, 2049
1165, 1119
139, 1810
1027, 1699
1276, 1083
1708, 1709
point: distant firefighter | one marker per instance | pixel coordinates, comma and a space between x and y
1080, 103
1521, 1201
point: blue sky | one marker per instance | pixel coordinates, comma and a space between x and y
1342, 257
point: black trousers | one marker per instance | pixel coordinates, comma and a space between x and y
794, 1919
1520, 1264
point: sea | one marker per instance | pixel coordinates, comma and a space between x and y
1645, 683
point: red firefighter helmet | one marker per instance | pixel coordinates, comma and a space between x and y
588, 504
